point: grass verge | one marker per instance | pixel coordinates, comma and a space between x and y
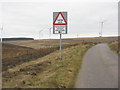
115, 47
48, 71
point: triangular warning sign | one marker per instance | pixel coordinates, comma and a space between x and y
60, 20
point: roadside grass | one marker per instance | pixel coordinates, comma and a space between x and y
14, 55
115, 47
49, 71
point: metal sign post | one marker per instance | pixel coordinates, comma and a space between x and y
60, 26
60, 45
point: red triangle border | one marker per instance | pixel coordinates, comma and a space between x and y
60, 23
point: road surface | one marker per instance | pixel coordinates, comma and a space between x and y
99, 68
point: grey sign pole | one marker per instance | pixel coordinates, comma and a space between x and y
60, 44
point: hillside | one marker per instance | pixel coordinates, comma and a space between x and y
16, 39
55, 42
14, 55
49, 71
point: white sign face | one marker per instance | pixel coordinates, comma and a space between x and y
59, 22
60, 28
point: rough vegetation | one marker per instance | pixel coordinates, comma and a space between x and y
115, 46
46, 72
14, 55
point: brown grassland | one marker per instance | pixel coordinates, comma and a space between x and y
115, 46
14, 55
36, 63
37, 66
48, 71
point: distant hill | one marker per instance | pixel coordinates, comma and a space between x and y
16, 39
11, 46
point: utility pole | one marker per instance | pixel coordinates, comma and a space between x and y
77, 35
50, 33
1, 33
1, 58
50, 36
99, 34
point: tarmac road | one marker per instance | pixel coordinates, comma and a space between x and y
99, 68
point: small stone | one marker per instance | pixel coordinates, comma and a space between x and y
33, 74
23, 82
49, 63
70, 70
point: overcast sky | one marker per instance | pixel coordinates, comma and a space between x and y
26, 19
